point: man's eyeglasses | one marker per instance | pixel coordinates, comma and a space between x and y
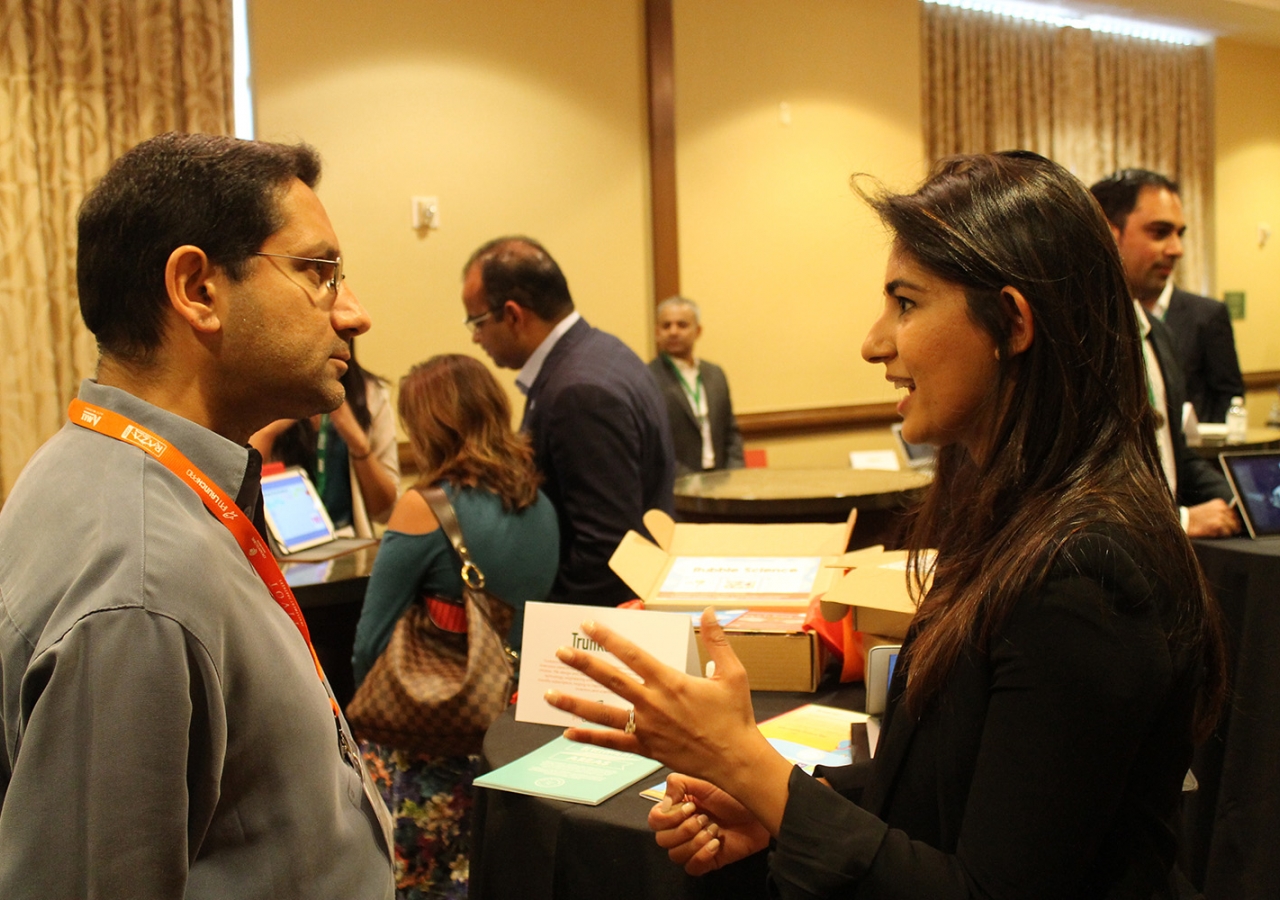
329, 270
474, 322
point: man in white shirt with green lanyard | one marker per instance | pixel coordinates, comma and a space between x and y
168, 730
696, 392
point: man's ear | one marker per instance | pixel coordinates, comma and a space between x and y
192, 290
1022, 327
514, 313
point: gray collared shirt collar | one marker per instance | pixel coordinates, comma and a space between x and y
231, 466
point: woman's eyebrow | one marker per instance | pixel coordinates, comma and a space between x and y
892, 287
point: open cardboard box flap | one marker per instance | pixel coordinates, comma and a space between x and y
643, 564
876, 588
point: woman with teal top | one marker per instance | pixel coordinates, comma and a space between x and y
459, 426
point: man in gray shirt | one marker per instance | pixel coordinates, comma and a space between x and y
167, 731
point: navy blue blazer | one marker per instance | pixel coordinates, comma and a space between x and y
602, 441
1206, 349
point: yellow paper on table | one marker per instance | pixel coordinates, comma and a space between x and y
807, 736
822, 728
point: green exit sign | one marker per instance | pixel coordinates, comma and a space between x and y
1235, 304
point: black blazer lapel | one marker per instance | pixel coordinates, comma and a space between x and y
674, 387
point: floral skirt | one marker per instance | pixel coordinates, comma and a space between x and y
430, 798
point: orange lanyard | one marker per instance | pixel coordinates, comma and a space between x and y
255, 549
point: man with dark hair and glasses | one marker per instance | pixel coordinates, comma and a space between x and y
1146, 219
168, 730
598, 423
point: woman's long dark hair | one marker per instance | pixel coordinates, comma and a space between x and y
1074, 446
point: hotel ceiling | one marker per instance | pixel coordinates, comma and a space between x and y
1256, 21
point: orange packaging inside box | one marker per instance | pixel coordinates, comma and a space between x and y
776, 651
875, 587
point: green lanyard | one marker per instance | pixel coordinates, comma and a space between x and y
322, 444
694, 393
1148, 360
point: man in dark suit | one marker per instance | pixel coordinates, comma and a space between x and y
703, 426
1146, 217
595, 416
1146, 220
1198, 486
1206, 347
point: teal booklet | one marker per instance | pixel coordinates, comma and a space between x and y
567, 770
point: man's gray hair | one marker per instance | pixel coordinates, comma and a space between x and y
675, 301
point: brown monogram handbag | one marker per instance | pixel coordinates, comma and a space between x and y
443, 678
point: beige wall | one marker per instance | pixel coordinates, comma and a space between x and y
1247, 99
521, 117
530, 117
787, 263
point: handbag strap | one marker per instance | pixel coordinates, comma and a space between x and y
472, 577
438, 500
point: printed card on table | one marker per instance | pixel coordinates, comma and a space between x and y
564, 770
548, 626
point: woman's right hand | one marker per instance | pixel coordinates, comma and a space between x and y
702, 828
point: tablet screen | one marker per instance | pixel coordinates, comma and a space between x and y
1255, 478
295, 514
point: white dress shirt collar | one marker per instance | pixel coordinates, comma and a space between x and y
1162, 302
533, 365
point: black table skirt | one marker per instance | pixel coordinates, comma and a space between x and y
1233, 821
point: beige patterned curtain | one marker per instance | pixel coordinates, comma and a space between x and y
1093, 102
81, 81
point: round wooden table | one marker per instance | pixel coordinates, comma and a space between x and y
803, 495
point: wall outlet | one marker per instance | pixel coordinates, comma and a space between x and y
425, 212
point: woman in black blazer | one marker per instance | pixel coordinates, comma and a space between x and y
1065, 654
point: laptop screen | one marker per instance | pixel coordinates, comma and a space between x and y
1255, 478
295, 514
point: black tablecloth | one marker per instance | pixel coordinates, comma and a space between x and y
537, 849
1233, 821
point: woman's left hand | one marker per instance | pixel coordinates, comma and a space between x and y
703, 726
702, 828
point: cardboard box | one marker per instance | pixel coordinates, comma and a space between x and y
776, 651
644, 565
876, 588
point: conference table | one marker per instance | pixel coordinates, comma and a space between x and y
1232, 823
331, 595
539, 849
803, 495
1256, 439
